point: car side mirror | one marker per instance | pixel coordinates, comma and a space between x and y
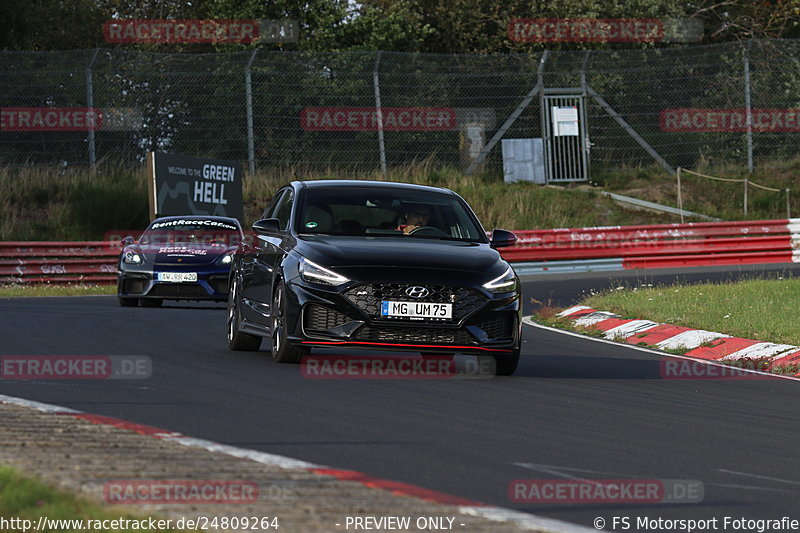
502, 238
266, 225
127, 241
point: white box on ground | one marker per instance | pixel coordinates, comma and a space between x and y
523, 160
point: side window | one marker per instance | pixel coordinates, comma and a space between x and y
285, 210
269, 212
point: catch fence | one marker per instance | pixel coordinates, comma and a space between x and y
371, 111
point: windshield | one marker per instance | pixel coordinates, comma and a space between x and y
395, 212
208, 232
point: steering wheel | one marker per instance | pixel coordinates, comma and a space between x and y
427, 230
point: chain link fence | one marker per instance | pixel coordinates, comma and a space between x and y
367, 111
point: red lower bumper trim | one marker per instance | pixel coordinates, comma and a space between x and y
446, 347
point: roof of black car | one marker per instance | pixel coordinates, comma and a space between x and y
315, 184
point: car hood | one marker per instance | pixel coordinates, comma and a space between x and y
348, 254
184, 253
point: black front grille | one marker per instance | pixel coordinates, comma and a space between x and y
368, 297
320, 318
501, 327
178, 290
408, 335
134, 286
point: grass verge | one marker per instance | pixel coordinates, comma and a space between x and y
26, 498
757, 309
760, 309
18, 290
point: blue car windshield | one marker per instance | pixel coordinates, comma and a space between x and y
189, 232
395, 212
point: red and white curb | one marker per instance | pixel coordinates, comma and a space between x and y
698, 343
464, 506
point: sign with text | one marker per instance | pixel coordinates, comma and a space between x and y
183, 185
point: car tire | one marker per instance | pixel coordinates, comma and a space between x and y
506, 365
236, 339
128, 302
150, 302
282, 350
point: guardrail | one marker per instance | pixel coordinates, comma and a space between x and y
656, 246
59, 262
537, 251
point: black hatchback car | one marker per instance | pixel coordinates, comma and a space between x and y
376, 265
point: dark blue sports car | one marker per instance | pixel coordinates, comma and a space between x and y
178, 258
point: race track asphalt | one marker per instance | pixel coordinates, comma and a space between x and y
576, 408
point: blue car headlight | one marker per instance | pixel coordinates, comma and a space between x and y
132, 258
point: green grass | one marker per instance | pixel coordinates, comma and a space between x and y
54, 203
759, 309
27, 498
47, 289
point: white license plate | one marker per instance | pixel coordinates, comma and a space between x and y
177, 277
416, 309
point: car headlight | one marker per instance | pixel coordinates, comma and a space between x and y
226, 259
132, 258
312, 272
506, 282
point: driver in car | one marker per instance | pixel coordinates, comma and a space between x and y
415, 217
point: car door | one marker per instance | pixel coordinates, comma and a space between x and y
269, 250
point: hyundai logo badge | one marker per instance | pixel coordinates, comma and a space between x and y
417, 291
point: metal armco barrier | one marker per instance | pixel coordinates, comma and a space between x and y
537, 251
59, 262
655, 246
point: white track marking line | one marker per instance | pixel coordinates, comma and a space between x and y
529, 321
757, 476
39, 406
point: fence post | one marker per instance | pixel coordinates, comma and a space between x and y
511, 118
747, 106
248, 92
377, 89
680, 195
90, 105
788, 205
745, 196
